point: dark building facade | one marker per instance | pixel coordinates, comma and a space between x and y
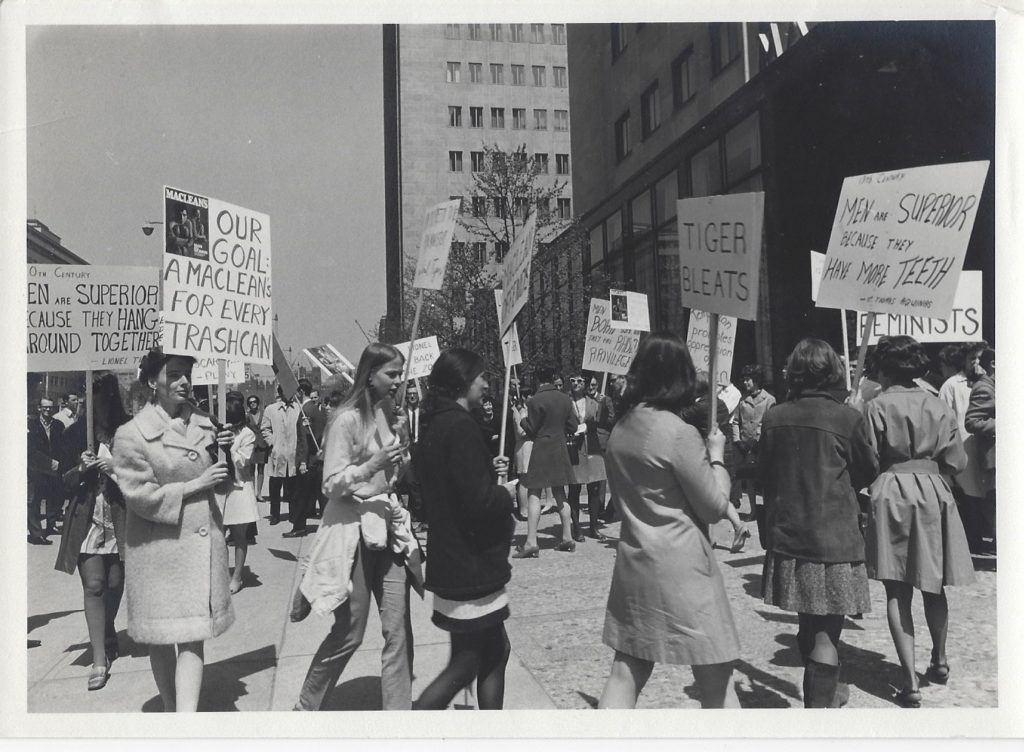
666, 111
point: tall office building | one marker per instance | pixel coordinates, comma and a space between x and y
449, 90
678, 110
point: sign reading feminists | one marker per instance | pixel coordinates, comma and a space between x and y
216, 274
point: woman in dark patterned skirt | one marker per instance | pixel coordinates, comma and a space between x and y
815, 453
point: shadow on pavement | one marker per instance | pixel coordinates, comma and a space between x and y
752, 585
868, 670
222, 681
41, 620
126, 648
279, 554
361, 693
589, 699
766, 690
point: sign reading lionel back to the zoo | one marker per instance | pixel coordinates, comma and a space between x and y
84, 316
216, 275
720, 253
899, 238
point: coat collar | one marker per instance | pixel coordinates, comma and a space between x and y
547, 388
152, 421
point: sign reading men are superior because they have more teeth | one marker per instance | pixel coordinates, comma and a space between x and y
216, 273
899, 238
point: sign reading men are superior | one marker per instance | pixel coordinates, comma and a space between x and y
216, 274
899, 238
720, 253
85, 316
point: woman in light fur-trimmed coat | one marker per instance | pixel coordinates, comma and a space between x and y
176, 561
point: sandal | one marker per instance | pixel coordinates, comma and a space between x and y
526, 552
908, 698
937, 673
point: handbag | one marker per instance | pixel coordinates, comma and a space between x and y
572, 445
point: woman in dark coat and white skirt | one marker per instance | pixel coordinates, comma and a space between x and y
470, 519
549, 422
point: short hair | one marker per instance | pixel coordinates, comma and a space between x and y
952, 355
305, 387
813, 364
545, 373
969, 350
901, 357
453, 372
754, 373
987, 357
662, 374
153, 361
255, 397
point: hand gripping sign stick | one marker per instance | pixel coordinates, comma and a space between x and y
869, 324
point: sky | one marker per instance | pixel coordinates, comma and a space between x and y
284, 120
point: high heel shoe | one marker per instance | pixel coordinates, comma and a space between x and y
526, 552
98, 676
908, 698
567, 545
739, 540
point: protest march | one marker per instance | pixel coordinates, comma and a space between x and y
717, 407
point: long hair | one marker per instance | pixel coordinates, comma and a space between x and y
662, 374
359, 398
112, 415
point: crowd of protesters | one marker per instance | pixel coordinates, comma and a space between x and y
894, 482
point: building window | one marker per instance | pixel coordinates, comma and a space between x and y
620, 38
476, 73
520, 207
623, 146
537, 32
557, 33
495, 32
497, 117
730, 163
497, 73
565, 208
666, 192
543, 208
683, 86
519, 75
451, 31
597, 244
476, 117
455, 161
455, 117
726, 45
650, 116
561, 120
459, 199
540, 120
558, 74
479, 250
499, 207
515, 32
539, 76
476, 159
561, 164
453, 73
500, 251
519, 159
540, 161
479, 206
640, 213
474, 32
518, 119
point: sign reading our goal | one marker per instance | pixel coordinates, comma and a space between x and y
216, 274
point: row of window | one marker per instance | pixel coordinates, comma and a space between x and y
559, 76
480, 207
478, 162
496, 32
476, 118
725, 47
726, 42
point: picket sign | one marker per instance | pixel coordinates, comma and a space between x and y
720, 262
817, 269
898, 242
513, 356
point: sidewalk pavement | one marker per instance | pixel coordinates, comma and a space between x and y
558, 659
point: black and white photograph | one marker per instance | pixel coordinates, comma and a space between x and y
815, 530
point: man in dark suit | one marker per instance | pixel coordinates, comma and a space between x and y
44, 482
312, 422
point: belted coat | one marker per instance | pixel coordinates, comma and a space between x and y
176, 560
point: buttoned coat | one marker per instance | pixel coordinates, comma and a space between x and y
176, 561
